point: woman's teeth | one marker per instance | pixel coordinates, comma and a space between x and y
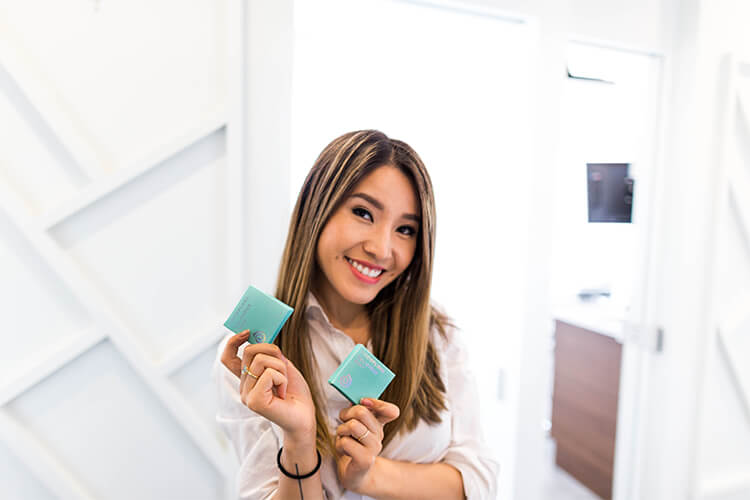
372, 273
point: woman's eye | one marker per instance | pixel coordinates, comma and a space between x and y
361, 212
407, 230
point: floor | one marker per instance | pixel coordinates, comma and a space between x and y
559, 485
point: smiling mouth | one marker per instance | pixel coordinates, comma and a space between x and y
363, 270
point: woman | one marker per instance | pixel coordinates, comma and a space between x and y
356, 269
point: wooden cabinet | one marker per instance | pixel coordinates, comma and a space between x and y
584, 405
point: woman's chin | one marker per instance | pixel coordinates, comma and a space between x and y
361, 297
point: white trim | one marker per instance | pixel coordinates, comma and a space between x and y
108, 320
628, 483
620, 47
638, 336
235, 143
729, 483
236, 131
47, 361
181, 355
111, 183
47, 469
471, 9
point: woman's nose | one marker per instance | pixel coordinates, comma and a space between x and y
378, 245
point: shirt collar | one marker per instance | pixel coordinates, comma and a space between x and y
313, 307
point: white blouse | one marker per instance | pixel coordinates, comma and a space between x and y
457, 440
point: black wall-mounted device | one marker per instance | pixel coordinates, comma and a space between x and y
610, 192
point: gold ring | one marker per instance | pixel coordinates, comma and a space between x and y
246, 371
367, 433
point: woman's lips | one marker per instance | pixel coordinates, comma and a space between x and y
360, 275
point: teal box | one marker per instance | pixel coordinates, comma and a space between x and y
361, 375
262, 314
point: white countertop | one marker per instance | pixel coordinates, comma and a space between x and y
598, 316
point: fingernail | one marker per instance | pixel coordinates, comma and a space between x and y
367, 402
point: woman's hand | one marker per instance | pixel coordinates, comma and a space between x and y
279, 392
359, 440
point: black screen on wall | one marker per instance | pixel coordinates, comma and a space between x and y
610, 192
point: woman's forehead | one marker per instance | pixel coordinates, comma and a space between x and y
387, 187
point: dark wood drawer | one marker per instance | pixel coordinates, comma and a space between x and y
584, 405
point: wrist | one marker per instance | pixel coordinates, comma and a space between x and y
300, 441
298, 457
371, 485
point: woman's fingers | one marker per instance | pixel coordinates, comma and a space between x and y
261, 362
365, 416
359, 431
260, 395
383, 410
361, 458
252, 350
229, 356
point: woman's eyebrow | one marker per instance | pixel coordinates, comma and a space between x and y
379, 205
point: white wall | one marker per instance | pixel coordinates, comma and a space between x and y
267, 134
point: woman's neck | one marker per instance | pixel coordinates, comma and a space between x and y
350, 318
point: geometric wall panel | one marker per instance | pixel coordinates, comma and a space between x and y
113, 247
34, 163
742, 129
724, 458
99, 419
127, 76
37, 309
734, 266
723, 448
156, 246
18, 483
190, 380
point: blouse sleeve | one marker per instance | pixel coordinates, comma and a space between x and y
468, 451
254, 438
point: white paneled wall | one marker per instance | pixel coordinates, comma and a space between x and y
724, 447
114, 189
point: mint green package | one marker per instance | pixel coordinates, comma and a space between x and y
262, 314
361, 375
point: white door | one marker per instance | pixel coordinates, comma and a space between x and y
609, 114
723, 446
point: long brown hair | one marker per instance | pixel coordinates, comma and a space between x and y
401, 316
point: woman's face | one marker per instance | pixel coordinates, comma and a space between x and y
370, 239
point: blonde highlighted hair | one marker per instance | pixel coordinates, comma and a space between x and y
401, 316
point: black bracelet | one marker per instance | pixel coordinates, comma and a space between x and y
293, 476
